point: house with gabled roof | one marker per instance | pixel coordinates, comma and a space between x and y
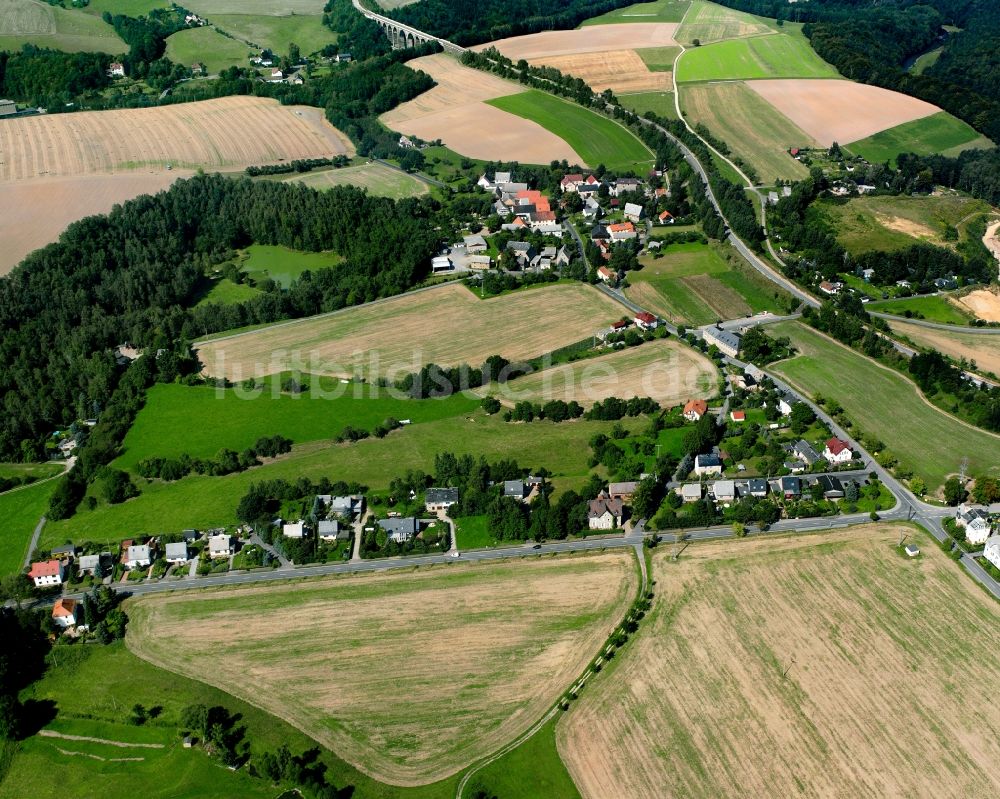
65, 612
694, 409
707, 464
605, 513
436, 499
837, 451
47, 573
634, 212
400, 530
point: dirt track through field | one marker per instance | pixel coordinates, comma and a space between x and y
825, 666
448, 326
411, 676
840, 110
455, 112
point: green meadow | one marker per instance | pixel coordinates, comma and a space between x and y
597, 139
224, 292
43, 25
933, 308
377, 179
281, 264
658, 11
20, 511
659, 59
939, 133
773, 56
207, 46
277, 32
660, 103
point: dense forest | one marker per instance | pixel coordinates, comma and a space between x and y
44, 77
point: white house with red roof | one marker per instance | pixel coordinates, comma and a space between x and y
837, 451
646, 321
46, 573
738, 416
665, 218
622, 231
605, 274
571, 182
695, 409
65, 612
116, 69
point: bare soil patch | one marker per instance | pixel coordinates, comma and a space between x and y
799, 667
34, 212
448, 326
840, 110
992, 239
622, 71
984, 303
908, 227
455, 112
409, 677
591, 39
983, 349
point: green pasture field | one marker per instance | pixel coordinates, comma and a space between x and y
378, 179
69, 29
20, 511
471, 533
202, 502
660, 103
939, 133
209, 47
884, 223
597, 139
531, 771
926, 61
130, 8
932, 308
278, 32
709, 22
658, 11
927, 440
38, 470
209, 8
229, 418
659, 59
752, 127
283, 265
225, 292
694, 284
774, 56
85, 683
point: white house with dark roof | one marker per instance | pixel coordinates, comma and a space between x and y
707, 464
992, 550
400, 530
975, 522
605, 513
176, 552
436, 499
137, 556
220, 546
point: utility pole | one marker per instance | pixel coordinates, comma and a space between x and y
788, 668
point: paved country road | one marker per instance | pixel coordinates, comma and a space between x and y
988, 331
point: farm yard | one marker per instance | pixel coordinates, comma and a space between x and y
665, 370
709, 22
377, 179
596, 138
925, 439
391, 337
753, 129
982, 349
513, 635
43, 25
455, 112
937, 134
799, 666
228, 132
773, 56
693, 284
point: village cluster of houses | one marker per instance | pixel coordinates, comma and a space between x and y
643, 320
980, 528
525, 208
725, 492
331, 518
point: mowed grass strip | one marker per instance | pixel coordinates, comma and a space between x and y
659, 59
21, 509
448, 325
775, 56
660, 103
798, 667
927, 440
939, 133
752, 127
378, 179
597, 139
465, 657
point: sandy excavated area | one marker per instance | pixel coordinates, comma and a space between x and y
984, 303
840, 110
819, 666
982, 348
622, 71
448, 326
592, 39
454, 112
34, 212
409, 677
992, 239
228, 132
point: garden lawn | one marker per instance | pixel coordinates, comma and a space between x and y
597, 139
223, 291
927, 440
20, 511
939, 133
660, 103
658, 11
775, 56
932, 308
471, 532
207, 46
283, 265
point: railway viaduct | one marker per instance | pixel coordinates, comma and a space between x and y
402, 36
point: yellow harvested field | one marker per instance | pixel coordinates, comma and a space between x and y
840, 110
666, 371
984, 303
455, 112
447, 326
591, 39
409, 677
819, 666
622, 71
34, 212
229, 132
982, 348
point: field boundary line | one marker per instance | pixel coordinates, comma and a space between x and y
123, 744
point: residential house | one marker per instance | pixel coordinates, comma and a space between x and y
91, 564
514, 489
400, 530
177, 553
691, 492
665, 218
503, 178
479, 263
867, 274
830, 288
707, 464
522, 252
189, 535
837, 451
332, 530
622, 231
726, 341
757, 486
343, 58
785, 403
975, 522
294, 529
295, 79
724, 490
832, 487
804, 451
563, 257
220, 546
634, 212
605, 513
772, 198
65, 612
623, 491
599, 233
738, 416
946, 283
67, 552
790, 487
138, 556
644, 320
623, 186
475, 243
592, 209
605, 274
116, 69
515, 226
991, 551
547, 227
46, 573
277, 74
589, 187
571, 182
440, 498
198, 69
695, 409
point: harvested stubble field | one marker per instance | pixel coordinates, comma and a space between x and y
378, 179
982, 348
34, 212
592, 39
409, 677
753, 129
618, 70
44, 25
446, 325
709, 22
229, 132
455, 112
840, 110
667, 371
811, 667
